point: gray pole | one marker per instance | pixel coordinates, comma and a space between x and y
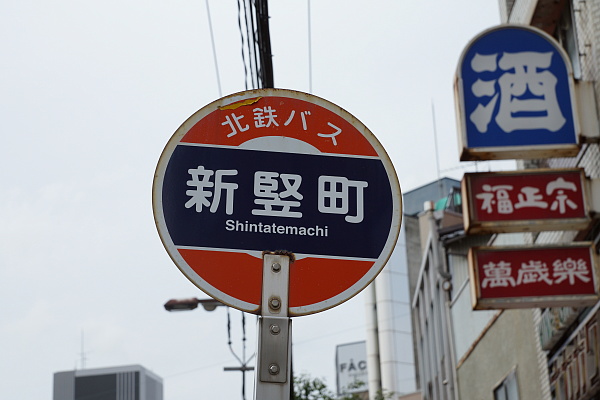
274, 353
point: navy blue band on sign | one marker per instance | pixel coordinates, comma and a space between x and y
288, 209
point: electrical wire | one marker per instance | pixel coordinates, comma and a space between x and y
309, 49
296, 343
214, 51
253, 24
242, 39
252, 44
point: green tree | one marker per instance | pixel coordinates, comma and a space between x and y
380, 395
308, 388
383, 395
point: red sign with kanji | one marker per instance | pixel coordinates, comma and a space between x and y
541, 276
530, 200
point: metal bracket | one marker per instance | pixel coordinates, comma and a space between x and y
276, 282
274, 353
273, 349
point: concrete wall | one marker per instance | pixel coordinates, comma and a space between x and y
510, 344
394, 323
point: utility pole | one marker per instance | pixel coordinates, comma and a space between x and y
253, 21
244, 367
264, 45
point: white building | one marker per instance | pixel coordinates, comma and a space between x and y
390, 348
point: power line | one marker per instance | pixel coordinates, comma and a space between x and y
214, 51
253, 24
361, 326
189, 371
309, 50
242, 39
252, 43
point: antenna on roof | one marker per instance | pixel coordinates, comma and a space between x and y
82, 353
437, 155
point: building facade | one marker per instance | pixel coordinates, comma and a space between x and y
567, 337
132, 382
511, 354
390, 354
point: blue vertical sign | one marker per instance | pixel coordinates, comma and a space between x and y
515, 96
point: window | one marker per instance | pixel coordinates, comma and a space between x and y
507, 390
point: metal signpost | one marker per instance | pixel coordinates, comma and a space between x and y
515, 96
277, 203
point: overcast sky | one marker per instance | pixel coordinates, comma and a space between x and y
91, 92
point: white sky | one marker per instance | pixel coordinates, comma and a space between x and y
90, 92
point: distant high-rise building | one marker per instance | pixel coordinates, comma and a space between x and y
131, 382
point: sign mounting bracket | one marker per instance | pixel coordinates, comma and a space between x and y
274, 353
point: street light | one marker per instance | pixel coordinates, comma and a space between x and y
191, 304
210, 305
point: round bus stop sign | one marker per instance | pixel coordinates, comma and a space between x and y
274, 169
